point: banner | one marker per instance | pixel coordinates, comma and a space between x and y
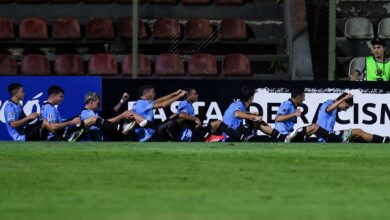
371, 111
36, 87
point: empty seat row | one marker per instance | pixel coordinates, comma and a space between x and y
103, 28
185, 2
362, 28
105, 64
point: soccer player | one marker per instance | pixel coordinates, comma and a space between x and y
145, 108
96, 125
287, 115
51, 114
232, 122
327, 119
16, 121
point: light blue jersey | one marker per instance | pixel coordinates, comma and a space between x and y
186, 107
326, 120
229, 118
144, 108
52, 115
87, 113
14, 112
286, 108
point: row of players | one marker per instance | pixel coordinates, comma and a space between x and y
138, 123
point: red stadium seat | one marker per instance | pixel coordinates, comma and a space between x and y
129, 1
33, 29
163, 1
7, 65
229, 2
66, 29
125, 31
167, 28
236, 64
100, 28
68, 64
35, 64
203, 64
199, 28
233, 29
144, 65
169, 64
196, 2
102, 64
6, 29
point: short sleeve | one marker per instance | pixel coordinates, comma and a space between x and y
85, 114
9, 113
283, 109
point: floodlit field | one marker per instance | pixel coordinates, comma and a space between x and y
194, 181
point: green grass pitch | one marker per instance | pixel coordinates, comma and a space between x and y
194, 181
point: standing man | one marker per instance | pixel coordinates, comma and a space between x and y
327, 118
375, 67
16, 121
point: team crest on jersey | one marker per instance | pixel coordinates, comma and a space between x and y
50, 116
284, 110
10, 114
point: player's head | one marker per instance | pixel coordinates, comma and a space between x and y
147, 92
56, 94
16, 90
379, 47
345, 105
192, 94
298, 95
247, 94
92, 100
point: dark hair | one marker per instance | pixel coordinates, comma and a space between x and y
297, 92
55, 90
348, 101
143, 89
246, 93
12, 87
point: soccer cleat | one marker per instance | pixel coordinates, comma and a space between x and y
128, 127
215, 138
347, 136
290, 137
75, 136
249, 138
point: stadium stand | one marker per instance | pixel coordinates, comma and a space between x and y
7, 65
144, 65
202, 64
35, 64
66, 29
6, 29
33, 29
102, 64
169, 64
68, 64
236, 65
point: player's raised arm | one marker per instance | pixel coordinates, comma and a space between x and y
341, 99
169, 96
165, 103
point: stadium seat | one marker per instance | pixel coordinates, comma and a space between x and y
125, 31
169, 64
68, 64
196, 2
6, 29
129, 1
359, 28
7, 65
35, 64
33, 29
144, 65
167, 28
384, 28
100, 29
102, 64
66, 29
202, 64
229, 2
163, 1
199, 28
236, 64
233, 29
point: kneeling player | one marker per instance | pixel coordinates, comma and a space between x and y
327, 118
